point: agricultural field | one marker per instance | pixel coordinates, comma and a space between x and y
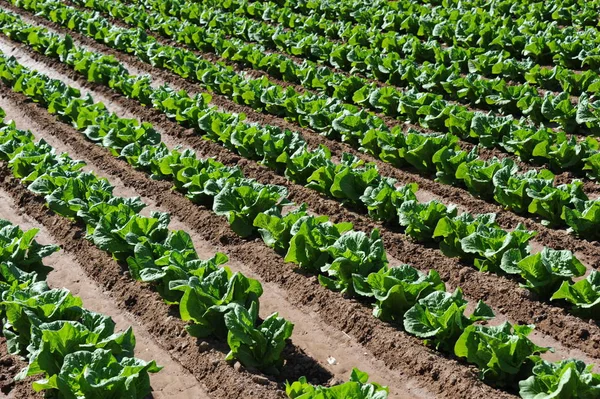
318, 199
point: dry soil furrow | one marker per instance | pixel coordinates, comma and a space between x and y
9, 367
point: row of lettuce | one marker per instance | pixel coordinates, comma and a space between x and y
532, 192
476, 239
207, 27
76, 349
462, 26
428, 109
333, 19
219, 302
382, 13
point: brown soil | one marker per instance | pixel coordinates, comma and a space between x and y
9, 367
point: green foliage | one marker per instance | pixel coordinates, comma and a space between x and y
362, 129
489, 244
77, 351
421, 219
584, 294
209, 294
311, 238
500, 352
276, 230
257, 345
544, 271
396, 289
352, 254
357, 387
241, 202
98, 374
167, 259
564, 379
19, 249
439, 318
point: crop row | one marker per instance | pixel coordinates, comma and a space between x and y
564, 12
426, 108
531, 191
446, 80
218, 301
467, 27
391, 65
77, 350
336, 20
470, 237
351, 262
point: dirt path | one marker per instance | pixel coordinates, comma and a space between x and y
9, 367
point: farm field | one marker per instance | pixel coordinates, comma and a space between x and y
291, 199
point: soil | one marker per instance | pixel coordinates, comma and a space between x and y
328, 325
9, 366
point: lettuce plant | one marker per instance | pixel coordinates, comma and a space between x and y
276, 229
584, 294
396, 289
311, 238
500, 352
564, 379
489, 244
355, 253
439, 318
209, 294
544, 271
99, 374
19, 248
454, 229
510, 188
242, 201
257, 345
420, 219
357, 388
